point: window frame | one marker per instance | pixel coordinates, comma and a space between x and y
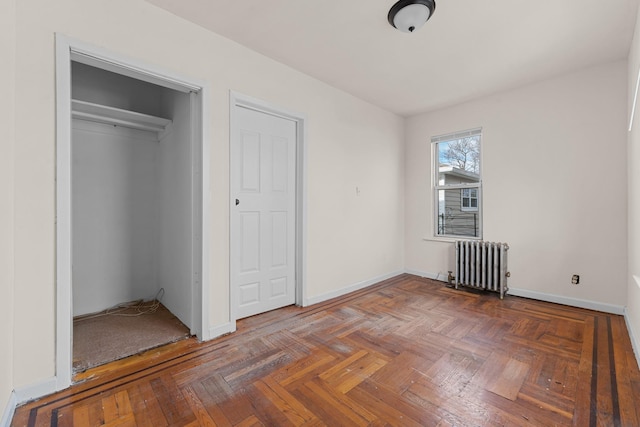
470, 198
436, 187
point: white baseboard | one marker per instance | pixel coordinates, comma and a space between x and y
348, 289
37, 390
443, 277
632, 335
9, 410
574, 302
220, 330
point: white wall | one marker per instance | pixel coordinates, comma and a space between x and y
350, 143
633, 156
115, 215
7, 102
352, 233
554, 183
175, 207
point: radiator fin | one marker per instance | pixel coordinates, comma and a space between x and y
482, 265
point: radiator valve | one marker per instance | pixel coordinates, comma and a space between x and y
450, 277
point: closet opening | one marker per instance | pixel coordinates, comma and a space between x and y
134, 216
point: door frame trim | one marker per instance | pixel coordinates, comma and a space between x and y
68, 49
239, 100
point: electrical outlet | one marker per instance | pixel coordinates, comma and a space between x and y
575, 279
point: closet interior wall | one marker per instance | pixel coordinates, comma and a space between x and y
131, 198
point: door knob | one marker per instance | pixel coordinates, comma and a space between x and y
237, 202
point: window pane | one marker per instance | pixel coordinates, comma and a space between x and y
459, 160
452, 220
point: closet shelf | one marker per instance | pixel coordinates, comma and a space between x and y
118, 117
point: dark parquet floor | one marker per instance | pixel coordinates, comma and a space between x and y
405, 352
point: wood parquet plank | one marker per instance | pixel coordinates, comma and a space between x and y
304, 369
145, 406
199, 410
401, 371
217, 395
434, 399
171, 400
250, 370
206, 400
405, 352
251, 421
352, 412
80, 417
284, 401
391, 407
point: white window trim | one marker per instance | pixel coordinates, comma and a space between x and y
436, 187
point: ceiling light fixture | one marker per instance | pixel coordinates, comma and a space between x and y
410, 15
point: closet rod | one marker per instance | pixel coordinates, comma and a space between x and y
117, 116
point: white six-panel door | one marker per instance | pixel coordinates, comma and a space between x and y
263, 223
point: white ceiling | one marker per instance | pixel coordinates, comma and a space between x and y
469, 48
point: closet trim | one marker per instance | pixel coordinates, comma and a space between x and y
84, 56
66, 48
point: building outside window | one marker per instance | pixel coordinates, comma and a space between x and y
458, 184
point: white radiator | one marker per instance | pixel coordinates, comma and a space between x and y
482, 265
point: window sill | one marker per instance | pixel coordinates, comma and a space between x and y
439, 239
448, 239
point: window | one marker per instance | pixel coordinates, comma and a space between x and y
469, 201
458, 184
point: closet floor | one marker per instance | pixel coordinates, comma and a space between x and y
102, 338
